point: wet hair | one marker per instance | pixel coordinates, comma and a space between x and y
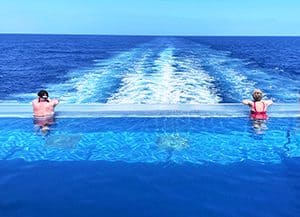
42, 93
257, 95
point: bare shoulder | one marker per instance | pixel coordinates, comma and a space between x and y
54, 101
34, 101
247, 102
268, 102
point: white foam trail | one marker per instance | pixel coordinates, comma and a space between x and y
140, 87
237, 80
183, 73
165, 84
92, 85
197, 85
97, 83
231, 81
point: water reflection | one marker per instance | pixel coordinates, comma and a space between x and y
42, 124
259, 126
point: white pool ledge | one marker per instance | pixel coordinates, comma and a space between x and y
149, 110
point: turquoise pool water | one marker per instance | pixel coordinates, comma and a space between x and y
174, 139
128, 161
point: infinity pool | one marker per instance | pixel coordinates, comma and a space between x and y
151, 140
186, 165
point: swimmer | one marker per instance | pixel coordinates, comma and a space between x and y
258, 109
43, 110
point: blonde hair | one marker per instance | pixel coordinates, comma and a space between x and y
257, 95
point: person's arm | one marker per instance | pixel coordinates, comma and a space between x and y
247, 102
269, 102
54, 102
34, 103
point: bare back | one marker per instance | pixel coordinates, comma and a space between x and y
259, 106
43, 108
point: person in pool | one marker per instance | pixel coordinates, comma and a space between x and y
43, 110
258, 109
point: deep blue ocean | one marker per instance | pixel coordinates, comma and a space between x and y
148, 167
148, 69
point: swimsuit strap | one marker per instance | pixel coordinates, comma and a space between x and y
254, 106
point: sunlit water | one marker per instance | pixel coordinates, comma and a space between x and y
152, 140
148, 70
148, 166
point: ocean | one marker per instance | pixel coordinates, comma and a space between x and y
148, 69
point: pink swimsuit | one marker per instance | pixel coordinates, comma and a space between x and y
259, 115
43, 108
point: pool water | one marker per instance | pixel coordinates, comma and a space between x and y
158, 166
152, 140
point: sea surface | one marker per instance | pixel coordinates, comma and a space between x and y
148, 69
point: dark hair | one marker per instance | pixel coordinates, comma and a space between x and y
42, 93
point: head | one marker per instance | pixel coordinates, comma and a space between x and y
257, 95
43, 94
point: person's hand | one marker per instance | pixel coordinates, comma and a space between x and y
245, 102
